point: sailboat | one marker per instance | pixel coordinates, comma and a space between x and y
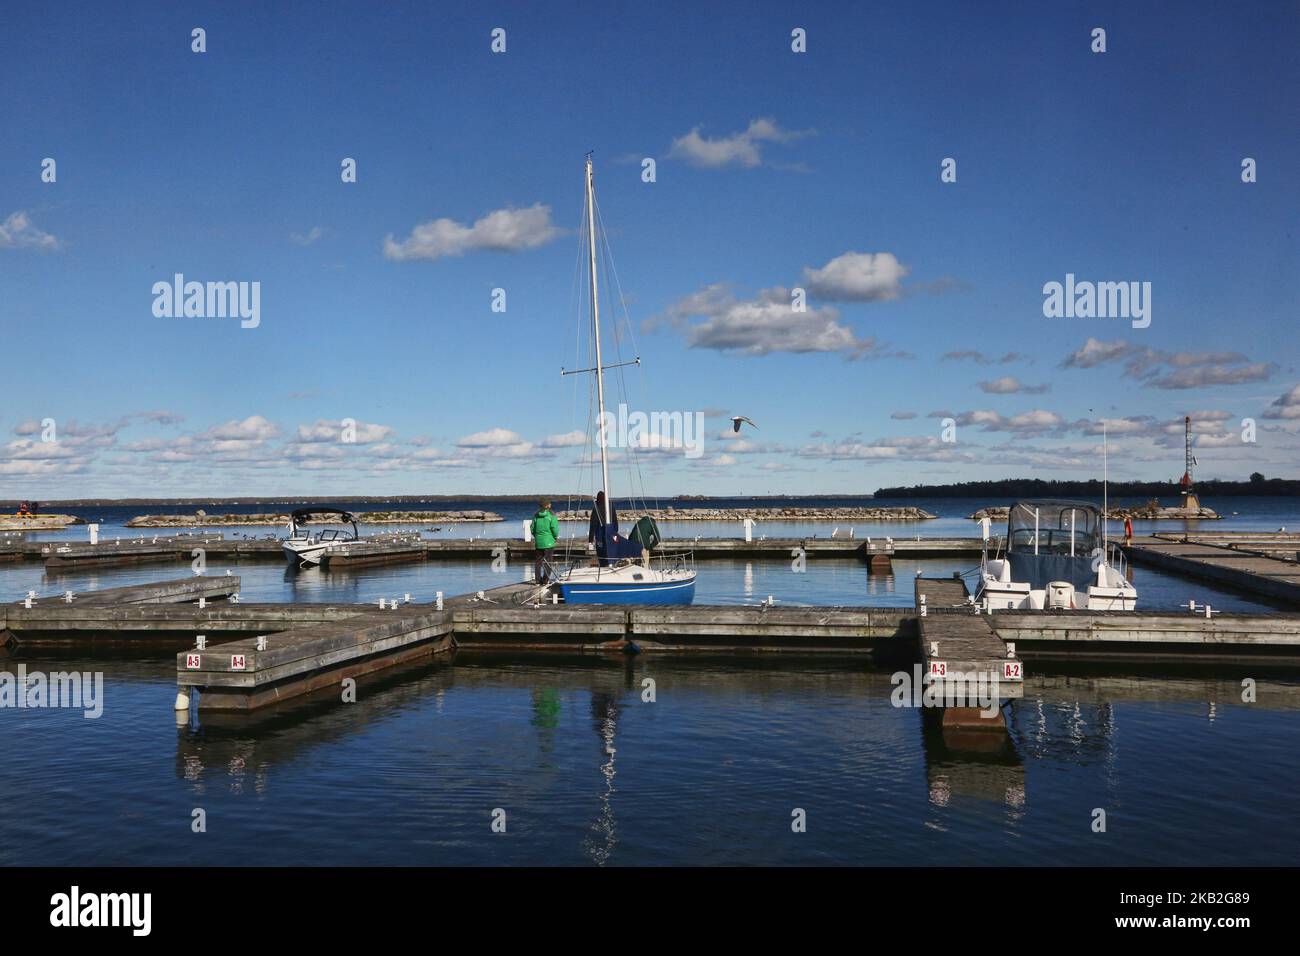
625, 571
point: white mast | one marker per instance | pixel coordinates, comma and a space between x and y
595, 324
1105, 488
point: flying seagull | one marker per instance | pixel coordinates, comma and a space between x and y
737, 419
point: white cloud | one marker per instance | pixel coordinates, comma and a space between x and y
738, 149
306, 239
1156, 368
1094, 352
1286, 405
325, 430
505, 230
1206, 375
17, 232
252, 428
765, 324
857, 277
565, 440
1010, 385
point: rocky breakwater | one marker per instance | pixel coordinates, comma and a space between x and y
1151, 511
10, 522
765, 514
201, 519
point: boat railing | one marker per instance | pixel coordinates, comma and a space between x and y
1117, 559
666, 560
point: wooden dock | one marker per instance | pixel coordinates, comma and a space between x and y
123, 551
960, 648
1153, 637
255, 654
1240, 562
180, 591
390, 548
249, 673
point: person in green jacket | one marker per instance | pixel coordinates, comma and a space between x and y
546, 530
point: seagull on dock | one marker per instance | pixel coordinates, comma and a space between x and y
736, 421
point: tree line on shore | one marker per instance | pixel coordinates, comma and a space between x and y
1039, 488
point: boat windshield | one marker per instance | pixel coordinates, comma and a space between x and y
1054, 527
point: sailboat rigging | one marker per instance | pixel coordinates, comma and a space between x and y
625, 570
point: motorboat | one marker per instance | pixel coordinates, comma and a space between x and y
304, 547
1056, 558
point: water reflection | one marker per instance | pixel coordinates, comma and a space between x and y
602, 837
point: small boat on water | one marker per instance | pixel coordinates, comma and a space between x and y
1057, 558
632, 569
304, 547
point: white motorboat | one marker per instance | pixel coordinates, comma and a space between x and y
304, 547
1057, 558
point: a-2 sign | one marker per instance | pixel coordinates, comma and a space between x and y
1011, 671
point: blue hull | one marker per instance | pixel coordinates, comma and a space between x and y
672, 592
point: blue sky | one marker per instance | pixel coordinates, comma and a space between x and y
775, 170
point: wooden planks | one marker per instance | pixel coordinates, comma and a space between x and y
1149, 637
179, 591
958, 644
159, 548
1254, 573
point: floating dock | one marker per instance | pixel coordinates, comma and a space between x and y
385, 549
1242, 562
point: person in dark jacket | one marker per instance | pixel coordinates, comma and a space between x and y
546, 531
597, 533
596, 527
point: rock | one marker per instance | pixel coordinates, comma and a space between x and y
766, 514
199, 518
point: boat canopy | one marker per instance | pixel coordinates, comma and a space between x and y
1046, 526
296, 516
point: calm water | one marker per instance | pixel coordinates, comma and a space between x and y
710, 772
826, 581
1253, 513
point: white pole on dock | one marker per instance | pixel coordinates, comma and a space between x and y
94, 533
749, 529
528, 530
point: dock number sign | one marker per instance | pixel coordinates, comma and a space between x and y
938, 668
193, 661
1011, 671
238, 662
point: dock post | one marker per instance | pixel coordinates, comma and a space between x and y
94, 533
749, 530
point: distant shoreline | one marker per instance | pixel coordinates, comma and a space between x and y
51, 503
993, 493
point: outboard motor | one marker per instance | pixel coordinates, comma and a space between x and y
1060, 595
